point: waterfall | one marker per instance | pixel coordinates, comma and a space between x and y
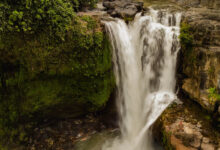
144, 56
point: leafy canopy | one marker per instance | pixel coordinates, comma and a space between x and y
32, 16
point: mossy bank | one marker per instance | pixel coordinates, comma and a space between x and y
43, 76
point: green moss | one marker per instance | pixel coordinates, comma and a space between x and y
185, 36
167, 141
128, 19
213, 95
3, 148
211, 70
186, 40
43, 77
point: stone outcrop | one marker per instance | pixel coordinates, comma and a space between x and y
198, 3
201, 64
183, 128
122, 9
84, 133
188, 136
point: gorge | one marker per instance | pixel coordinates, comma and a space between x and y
110, 75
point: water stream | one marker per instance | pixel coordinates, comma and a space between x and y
144, 56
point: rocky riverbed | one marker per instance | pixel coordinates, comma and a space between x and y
71, 134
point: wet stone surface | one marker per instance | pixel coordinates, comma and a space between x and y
187, 127
121, 8
63, 135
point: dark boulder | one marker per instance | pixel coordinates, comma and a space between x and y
122, 9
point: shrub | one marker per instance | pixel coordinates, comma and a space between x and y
185, 36
87, 3
213, 95
44, 78
50, 58
31, 16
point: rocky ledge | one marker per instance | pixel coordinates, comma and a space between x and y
122, 8
67, 134
183, 128
201, 62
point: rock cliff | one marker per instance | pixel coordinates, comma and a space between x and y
201, 61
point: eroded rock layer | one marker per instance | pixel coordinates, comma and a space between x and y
201, 60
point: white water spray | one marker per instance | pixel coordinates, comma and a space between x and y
144, 55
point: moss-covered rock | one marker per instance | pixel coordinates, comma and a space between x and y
181, 127
201, 56
44, 77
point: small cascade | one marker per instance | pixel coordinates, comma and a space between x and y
144, 56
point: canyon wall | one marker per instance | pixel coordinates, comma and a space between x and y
201, 59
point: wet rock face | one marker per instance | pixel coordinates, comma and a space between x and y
189, 135
183, 128
201, 65
122, 8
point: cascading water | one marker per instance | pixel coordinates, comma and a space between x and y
144, 55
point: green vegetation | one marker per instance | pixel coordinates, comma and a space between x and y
167, 141
53, 64
185, 36
32, 16
128, 19
211, 70
213, 95
41, 78
186, 40
85, 3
